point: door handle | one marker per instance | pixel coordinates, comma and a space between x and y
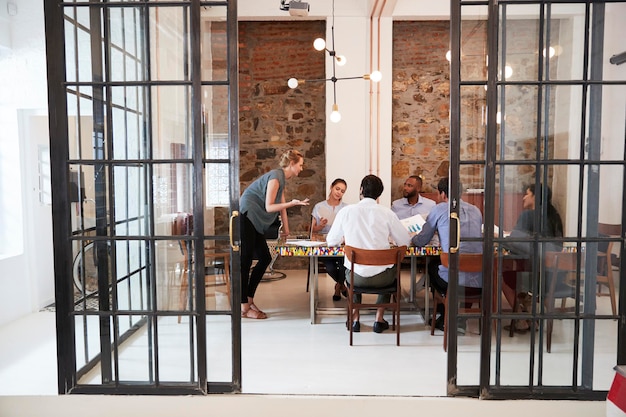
455, 217
230, 231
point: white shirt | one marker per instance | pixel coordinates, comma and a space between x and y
367, 225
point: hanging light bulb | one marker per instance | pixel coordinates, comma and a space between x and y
335, 116
508, 71
341, 60
292, 83
449, 55
319, 44
376, 76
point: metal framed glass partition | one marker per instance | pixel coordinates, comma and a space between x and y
143, 122
537, 135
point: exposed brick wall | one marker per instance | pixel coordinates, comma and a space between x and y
274, 118
421, 97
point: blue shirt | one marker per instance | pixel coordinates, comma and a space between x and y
404, 210
252, 202
471, 224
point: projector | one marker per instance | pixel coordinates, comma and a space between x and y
298, 8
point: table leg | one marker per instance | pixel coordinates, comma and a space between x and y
426, 292
413, 276
313, 292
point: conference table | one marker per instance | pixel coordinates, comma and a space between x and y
318, 249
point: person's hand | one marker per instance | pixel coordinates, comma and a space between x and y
304, 202
323, 221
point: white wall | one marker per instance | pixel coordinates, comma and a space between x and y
26, 253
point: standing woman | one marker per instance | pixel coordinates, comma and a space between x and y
323, 215
260, 205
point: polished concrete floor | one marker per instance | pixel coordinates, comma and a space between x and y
285, 354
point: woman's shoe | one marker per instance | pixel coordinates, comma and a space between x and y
344, 291
337, 296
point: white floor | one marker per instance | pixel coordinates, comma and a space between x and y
285, 354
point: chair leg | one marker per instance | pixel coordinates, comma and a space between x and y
445, 324
612, 291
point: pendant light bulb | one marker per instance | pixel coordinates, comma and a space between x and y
292, 83
319, 44
376, 76
341, 60
335, 116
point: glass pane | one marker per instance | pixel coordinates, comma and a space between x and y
84, 188
130, 200
132, 275
613, 49
217, 275
473, 122
81, 126
128, 121
171, 125
169, 43
172, 193
214, 44
561, 121
124, 43
562, 53
219, 348
215, 121
517, 122
519, 37
474, 44
177, 349
175, 269
87, 344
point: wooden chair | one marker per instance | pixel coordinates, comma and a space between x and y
375, 257
560, 269
182, 225
468, 262
605, 264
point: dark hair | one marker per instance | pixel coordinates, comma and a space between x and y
371, 186
418, 178
337, 181
442, 186
555, 224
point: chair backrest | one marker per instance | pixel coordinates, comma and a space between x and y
375, 256
468, 262
560, 280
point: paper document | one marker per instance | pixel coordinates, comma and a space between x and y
413, 224
304, 242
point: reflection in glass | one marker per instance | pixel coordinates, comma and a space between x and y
171, 122
214, 46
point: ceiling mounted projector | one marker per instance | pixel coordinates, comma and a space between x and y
295, 7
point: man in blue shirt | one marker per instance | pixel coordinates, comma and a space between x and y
412, 202
439, 221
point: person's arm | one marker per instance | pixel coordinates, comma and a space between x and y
398, 232
270, 198
427, 232
335, 234
284, 218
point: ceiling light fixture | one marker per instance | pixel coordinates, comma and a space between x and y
320, 45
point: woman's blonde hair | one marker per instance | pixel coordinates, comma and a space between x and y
290, 156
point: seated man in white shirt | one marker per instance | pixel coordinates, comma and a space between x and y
368, 225
412, 202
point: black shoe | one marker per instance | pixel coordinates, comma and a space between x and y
356, 326
380, 326
438, 323
336, 297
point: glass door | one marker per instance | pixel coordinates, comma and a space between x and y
537, 136
143, 122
